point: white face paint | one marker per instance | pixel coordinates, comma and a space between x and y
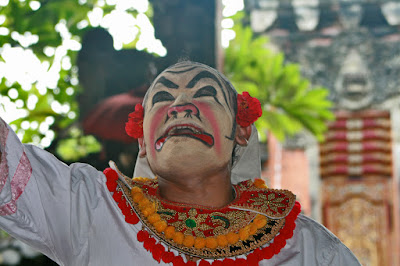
188, 121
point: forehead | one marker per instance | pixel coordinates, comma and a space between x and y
182, 77
188, 76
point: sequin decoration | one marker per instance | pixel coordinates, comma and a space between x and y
214, 224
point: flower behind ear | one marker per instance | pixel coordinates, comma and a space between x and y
249, 109
134, 126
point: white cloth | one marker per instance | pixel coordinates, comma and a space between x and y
67, 213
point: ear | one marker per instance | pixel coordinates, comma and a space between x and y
142, 147
242, 135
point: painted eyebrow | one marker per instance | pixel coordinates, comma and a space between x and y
202, 75
167, 83
207, 74
180, 71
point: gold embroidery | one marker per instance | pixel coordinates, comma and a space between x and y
203, 222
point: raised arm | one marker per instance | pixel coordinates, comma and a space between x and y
40, 197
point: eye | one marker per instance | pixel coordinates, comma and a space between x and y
162, 96
205, 91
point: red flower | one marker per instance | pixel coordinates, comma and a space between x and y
134, 126
249, 109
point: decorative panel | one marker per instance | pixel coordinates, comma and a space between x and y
357, 144
358, 212
356, 171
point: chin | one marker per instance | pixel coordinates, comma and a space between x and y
187, 156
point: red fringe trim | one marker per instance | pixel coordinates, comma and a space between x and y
112, 177
178, 261
142, 235
204, 263
191, 263
167, 257
158, 250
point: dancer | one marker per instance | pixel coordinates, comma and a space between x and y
195, 198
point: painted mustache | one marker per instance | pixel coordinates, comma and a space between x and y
184, 130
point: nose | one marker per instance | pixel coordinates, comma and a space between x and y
185, 110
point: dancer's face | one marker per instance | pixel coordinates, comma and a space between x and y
188, 119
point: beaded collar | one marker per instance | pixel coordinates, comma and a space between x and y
257, 217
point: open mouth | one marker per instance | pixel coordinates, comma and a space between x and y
186, 130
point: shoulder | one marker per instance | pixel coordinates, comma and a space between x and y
308, 226
322, 244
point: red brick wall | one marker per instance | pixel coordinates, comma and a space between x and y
289, 169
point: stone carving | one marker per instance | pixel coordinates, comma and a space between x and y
346, 31
353, 84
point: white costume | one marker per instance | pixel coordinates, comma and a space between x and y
68, 214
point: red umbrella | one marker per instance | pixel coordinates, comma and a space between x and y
107, 119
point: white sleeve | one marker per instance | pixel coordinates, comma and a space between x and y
44, 202
320, 246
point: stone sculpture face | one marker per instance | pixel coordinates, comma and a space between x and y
189, 121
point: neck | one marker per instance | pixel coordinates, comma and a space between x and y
210, 191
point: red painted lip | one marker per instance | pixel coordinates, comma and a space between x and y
194, 133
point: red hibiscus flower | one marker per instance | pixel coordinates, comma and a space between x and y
249, 109
134, 126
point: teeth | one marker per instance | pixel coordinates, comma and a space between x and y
195, 131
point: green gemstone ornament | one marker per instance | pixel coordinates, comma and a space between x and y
190, 223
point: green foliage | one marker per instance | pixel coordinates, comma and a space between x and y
289, 103
46, 23
77, 145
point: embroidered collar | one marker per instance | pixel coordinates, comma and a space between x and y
256, 217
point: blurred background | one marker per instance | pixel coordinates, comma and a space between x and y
327, 73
